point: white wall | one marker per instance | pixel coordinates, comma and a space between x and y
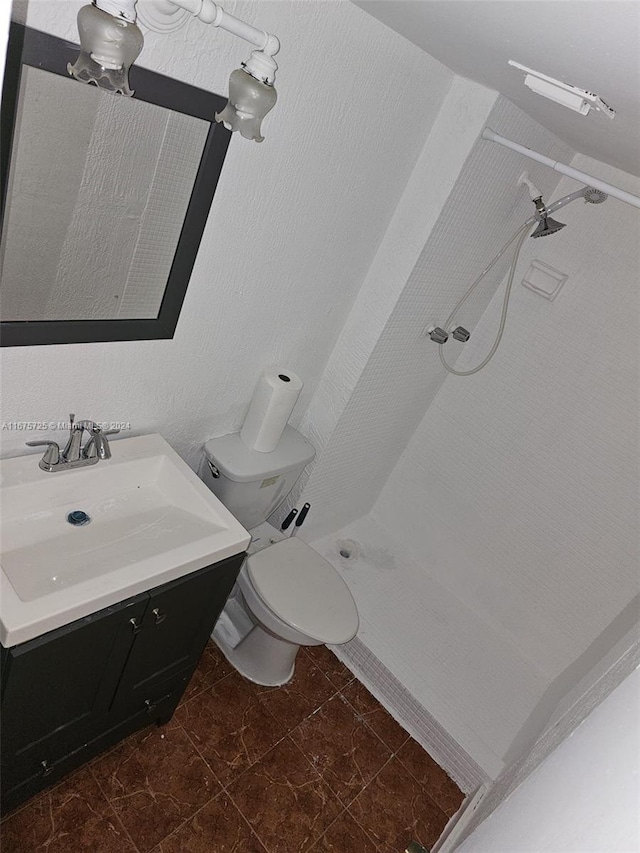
403, 373
461, 117
293, 229
452, 661
585, 797
514, 565
521, 481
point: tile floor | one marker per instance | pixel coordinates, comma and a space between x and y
317, 766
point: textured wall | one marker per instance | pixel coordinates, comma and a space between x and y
403, 373
452, 660
517, 494
292, 232
523, 477
460, 119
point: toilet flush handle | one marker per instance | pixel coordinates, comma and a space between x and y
301, 517
214, 471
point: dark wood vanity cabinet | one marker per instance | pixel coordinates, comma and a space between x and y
75, 691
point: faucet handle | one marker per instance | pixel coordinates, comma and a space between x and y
98, 445
105, 451
51, 455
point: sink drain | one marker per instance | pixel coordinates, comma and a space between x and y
78, 518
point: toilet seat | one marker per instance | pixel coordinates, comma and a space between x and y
304, 591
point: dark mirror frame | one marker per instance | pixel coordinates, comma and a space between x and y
41, 50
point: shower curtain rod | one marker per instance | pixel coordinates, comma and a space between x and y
596, 183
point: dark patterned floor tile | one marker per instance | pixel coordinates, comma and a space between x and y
344, 836
218, 827
230, 726
76, 778
285, 800
73, 816
212, 667
341, 747
337, 673
155, 781
442, 790
304, 694
395, 809
375, 716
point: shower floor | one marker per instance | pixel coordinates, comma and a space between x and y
463, 672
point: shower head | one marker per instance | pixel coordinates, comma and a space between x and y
589, 194
593, 196
546, 226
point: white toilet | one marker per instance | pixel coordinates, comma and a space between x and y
287, 595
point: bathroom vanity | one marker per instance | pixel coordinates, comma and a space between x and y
101, 638
75, 691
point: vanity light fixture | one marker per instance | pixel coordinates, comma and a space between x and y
111, 42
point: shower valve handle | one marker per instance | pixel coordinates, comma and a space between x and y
461, 334
438, 335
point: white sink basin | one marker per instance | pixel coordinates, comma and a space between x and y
152, 520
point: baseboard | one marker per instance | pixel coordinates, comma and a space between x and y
455, 829
412, 716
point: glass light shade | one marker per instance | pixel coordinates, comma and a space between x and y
110, 46
249, 102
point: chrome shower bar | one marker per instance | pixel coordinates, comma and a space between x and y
569, 171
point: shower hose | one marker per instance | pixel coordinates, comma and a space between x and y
519, 235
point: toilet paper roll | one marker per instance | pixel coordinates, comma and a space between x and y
271, 405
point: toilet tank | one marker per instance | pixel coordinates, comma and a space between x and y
251, 484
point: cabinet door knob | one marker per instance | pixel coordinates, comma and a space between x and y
151, 706
46, 769
160, 617
137, 626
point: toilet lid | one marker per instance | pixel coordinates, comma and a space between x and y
304, 590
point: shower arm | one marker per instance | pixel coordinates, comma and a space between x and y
563, 169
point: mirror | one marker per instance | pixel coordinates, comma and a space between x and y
104, 198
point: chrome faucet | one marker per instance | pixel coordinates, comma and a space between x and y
74, 454
71, 452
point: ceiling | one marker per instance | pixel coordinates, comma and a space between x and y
593, 44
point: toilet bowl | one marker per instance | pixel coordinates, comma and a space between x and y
287, 596
295, 598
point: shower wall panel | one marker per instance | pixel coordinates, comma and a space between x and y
403, 373
521, 481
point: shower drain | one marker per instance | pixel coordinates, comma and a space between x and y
78, 518
349, 549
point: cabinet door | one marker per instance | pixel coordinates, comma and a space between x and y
58, 685
177, 622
